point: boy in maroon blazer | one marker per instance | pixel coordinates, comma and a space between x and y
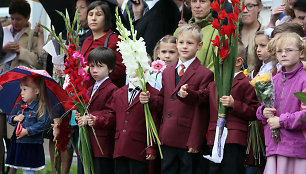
184, 122
101, 63
131, 152
242, 105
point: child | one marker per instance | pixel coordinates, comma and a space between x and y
289, 154
101, 63
131, 152
165, 50
184, 122
241, 109
268, 64
26, 149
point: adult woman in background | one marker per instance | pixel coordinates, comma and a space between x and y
99, 20
248, 26
27, 43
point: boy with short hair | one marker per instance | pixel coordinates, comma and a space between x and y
184, 122
242, 105
101, 63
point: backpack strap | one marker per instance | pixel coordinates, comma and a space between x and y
107, 38
208, 47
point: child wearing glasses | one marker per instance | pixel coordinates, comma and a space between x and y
289, 154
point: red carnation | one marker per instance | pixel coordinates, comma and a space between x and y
215, 24
215, 6
216, 42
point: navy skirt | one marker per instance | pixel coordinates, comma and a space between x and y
24, 155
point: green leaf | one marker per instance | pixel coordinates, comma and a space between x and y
301, 96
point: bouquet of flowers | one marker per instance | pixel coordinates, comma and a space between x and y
264, 89
226, 43
76, 88
136, 61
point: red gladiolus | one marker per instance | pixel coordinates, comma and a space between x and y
222, 14
215, 24
236, 10
216, 42
235, 2
222, 2
232, 16
223, 53
215, 6
227, 30
243, 7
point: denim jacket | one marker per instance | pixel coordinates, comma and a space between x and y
34, 125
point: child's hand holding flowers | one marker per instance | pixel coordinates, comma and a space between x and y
144, 97
273, 122
269, 112
19, 118
227, 101
23, 133
91, 119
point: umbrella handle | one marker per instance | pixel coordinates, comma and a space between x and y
19, 128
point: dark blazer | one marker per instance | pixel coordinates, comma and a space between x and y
105, 124
130, 137
238, 117
184, 122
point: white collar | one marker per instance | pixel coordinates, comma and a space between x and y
236, 74
131, 85
186, 64
98, 83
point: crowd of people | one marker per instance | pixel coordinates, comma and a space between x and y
182, 99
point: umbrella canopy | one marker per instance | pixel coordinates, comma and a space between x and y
10, 92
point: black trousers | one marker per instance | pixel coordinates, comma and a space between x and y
233, 161
125, 165
103, 165
179, 161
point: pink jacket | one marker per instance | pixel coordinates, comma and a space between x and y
288, 108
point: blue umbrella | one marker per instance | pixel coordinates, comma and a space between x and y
10, 90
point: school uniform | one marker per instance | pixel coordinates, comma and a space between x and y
130, 138
184, 122
104, 126
237, 121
